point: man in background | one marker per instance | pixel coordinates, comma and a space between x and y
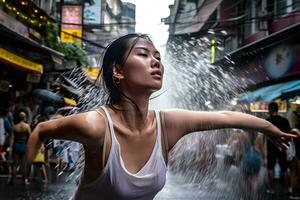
274, 155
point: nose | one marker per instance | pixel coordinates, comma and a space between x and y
155, 63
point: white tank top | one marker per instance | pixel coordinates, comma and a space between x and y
116, 182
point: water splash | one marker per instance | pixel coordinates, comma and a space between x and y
195, 162
196, 166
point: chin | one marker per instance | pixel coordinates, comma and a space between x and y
155, 89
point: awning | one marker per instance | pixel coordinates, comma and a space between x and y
21, 62
269, 93
13, 38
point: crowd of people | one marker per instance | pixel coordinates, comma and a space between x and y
258, 166
16, 124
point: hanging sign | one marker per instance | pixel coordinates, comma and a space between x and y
71, 28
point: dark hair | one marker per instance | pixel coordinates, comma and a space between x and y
116, 53
273, 106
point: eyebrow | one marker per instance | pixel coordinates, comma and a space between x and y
144, 48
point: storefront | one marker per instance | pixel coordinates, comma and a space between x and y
23, 62
270, 69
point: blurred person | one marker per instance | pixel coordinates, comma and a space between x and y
125, 144
245, 173
295, 164
273, 153
20, 134
74, 151
39, 163
60, 154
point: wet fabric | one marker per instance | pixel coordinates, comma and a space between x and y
117, 183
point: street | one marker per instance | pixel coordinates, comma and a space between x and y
57, 188
175, 189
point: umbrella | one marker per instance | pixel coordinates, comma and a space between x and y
47, 96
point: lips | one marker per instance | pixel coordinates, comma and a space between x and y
156, 73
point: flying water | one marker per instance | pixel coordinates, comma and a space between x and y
201, 163
198, 167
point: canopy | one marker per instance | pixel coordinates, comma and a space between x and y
266, 94
20, 62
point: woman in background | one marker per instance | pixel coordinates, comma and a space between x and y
20, 134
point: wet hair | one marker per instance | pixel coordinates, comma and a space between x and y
116, 54
273, 106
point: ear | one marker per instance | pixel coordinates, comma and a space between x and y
118, 72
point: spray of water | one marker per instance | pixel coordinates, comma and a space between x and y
197, 162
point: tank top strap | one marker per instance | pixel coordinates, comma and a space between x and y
110, 124
158, 121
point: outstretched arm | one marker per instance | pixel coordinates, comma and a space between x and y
83, 128
181, 122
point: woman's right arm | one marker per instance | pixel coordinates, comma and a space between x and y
83, 128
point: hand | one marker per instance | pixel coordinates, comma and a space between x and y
281, 139
296, 131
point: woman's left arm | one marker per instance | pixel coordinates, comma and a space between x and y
181, 122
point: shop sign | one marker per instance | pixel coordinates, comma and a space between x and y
263, 106
92, 13
20, 62
71, 23
13, 24
280, 60
67, 36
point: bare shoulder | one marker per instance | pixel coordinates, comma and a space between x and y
80, 127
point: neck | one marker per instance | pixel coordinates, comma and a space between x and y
134, 113
273, 113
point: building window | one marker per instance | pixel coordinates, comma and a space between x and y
296, 4
280, 7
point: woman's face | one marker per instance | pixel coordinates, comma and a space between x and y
143, 68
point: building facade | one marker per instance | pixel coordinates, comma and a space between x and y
258, 38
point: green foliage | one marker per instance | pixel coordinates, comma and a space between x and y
71, 50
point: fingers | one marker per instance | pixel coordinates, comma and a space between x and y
290, 136
280, 143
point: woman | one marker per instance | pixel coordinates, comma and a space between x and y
126, 145
20, 135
